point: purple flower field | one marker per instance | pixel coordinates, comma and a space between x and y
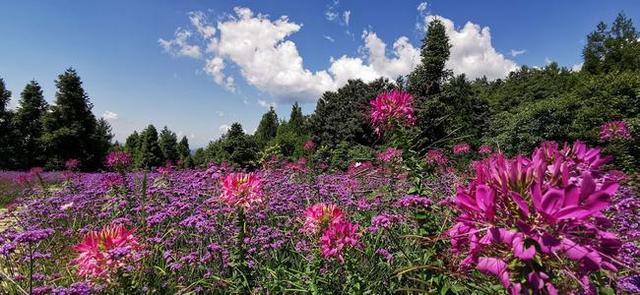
554, 223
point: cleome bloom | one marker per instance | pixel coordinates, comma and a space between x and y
390, 154
337, 237
614, 130
436, 157
485, 149
309, 145
461, 148
102, 252
390, 108
72, 164
320, 216
523, 215
118, 160
241, 189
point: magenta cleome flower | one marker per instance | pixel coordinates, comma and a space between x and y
614, 130
101, 253
72, 164
436, 157
118, 160
485, 149
390, 154
309, 145
242, 190
543, 212
337, 237
319, 216
461, 148
391, 108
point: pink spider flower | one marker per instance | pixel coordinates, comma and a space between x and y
103, 252
118, 160
242, 190
549, 207
461, 148
391, 108
72, 164
320, 216
485, 149
337, 237
614, 130
309, 145
390, 154
436, 157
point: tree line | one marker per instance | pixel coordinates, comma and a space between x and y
513, 114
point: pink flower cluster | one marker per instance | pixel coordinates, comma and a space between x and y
485, 149
337, 232
242, 190
391, 108
101, 253
118, 160
461, 148
614, 130
72, 164
530, 219
390, 154
436, 157
309, 145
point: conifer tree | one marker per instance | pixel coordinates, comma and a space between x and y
267, 128
429, 76
6, 129
150, 153
183, 149
168, 143
28, 121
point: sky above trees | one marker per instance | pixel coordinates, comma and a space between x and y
199, 66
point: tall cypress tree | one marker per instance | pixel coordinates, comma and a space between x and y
296, 119
150, 153
267, 128
429, 76
7, 152
183, 149
168, 143
28, 121
132, 146
70, 127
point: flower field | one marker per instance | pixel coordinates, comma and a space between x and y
555, 222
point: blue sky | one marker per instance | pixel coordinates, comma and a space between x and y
172, 62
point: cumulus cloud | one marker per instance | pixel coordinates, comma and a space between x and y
260, 49
422, 7
224, 128
472, 52
109, 116
577, 67
178, 46
515, 53
265, 104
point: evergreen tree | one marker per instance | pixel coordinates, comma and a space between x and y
28, 122
267, 128
70, 127
183, 149
296, 119
7, 152
168, 143
617, 49
132, 145
102, 139
150, 153
427, 78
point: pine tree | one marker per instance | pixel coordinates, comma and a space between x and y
102, 139
70, 127
183, 149
150, 153
296, 119
267, 128
617, 49
429, 76
168, 143
28, 121
132, 146
7, 152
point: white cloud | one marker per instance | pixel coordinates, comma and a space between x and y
220, 113
329, 38
178, 46
265, 104
515, 53
260, 49
330, 14
110, 116
577, 67
422, 7
346, 17
224, 128
199, 21
547, 60
472, 52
